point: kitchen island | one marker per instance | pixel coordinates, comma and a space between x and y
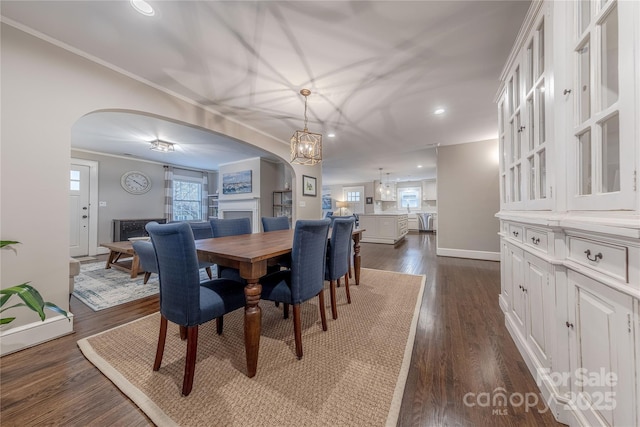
384, 228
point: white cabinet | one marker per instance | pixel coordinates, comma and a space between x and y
383, 228
429, 190
525, 114
601, 325
412, 222
602, 104
568, 109
529, 296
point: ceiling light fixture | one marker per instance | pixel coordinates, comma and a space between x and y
380, 186
162, 146
439, 111
142, 7
306, 147
331, 135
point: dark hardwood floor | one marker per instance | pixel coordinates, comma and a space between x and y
462, 349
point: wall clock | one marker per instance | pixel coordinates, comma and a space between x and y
136, 182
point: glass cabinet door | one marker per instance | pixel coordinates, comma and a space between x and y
603, 177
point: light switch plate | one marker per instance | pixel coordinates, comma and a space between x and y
302, 204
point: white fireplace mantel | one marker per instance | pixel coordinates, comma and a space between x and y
242, 205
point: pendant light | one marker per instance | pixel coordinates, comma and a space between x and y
380, 186
306, 147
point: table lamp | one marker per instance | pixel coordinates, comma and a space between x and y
341, 205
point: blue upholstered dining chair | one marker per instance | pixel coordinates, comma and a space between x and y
147, 255
337, 264
183, 299
202, 230
305, 279
275, 223
223, 227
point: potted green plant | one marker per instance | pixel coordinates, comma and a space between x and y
28, 294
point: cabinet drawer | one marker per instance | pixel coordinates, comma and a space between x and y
515, 232
536, 238
603, 257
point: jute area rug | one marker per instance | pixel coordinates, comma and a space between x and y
351, 375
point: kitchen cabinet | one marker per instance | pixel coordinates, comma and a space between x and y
429, 190
384, 228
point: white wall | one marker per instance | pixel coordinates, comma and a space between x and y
45, 90
468, 199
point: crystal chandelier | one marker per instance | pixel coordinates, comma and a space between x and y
306, 147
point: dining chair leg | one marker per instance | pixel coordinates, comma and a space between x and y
208, 270
219, 325
297, 329
146, 277
286, 310
346, 287
162, 336
190, 363
334, 304
183, 333
323, 314
338, 282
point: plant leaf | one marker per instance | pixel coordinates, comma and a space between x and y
6, 320
4, 299
13, 306
51, 306
29, 295
4, 243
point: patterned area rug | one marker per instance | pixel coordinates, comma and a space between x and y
351, 375
100, 288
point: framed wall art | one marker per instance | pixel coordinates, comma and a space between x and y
309, 186
236, 182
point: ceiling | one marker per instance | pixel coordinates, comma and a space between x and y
377, 71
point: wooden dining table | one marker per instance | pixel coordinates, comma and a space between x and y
251, 254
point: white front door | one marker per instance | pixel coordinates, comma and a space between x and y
354, 196
79, 210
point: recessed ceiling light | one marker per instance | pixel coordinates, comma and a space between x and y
439, 111
331, 135
143, 7
419, 166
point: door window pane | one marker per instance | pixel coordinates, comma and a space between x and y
511, 96
529, 79
541, 49
512, 187
530, 133
609, 54
516, 88
541, 113
518, 143
504, 188
543, 174
611, 155
532, 178
585, 14
584, 90
517, 183
584, 163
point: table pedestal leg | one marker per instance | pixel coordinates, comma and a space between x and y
356, 258
252, 326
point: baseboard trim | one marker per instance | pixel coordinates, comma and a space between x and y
463, 253
25, 336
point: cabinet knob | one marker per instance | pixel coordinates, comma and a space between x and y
569, 325
566, 91
596, 256
535, 240
515, 233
